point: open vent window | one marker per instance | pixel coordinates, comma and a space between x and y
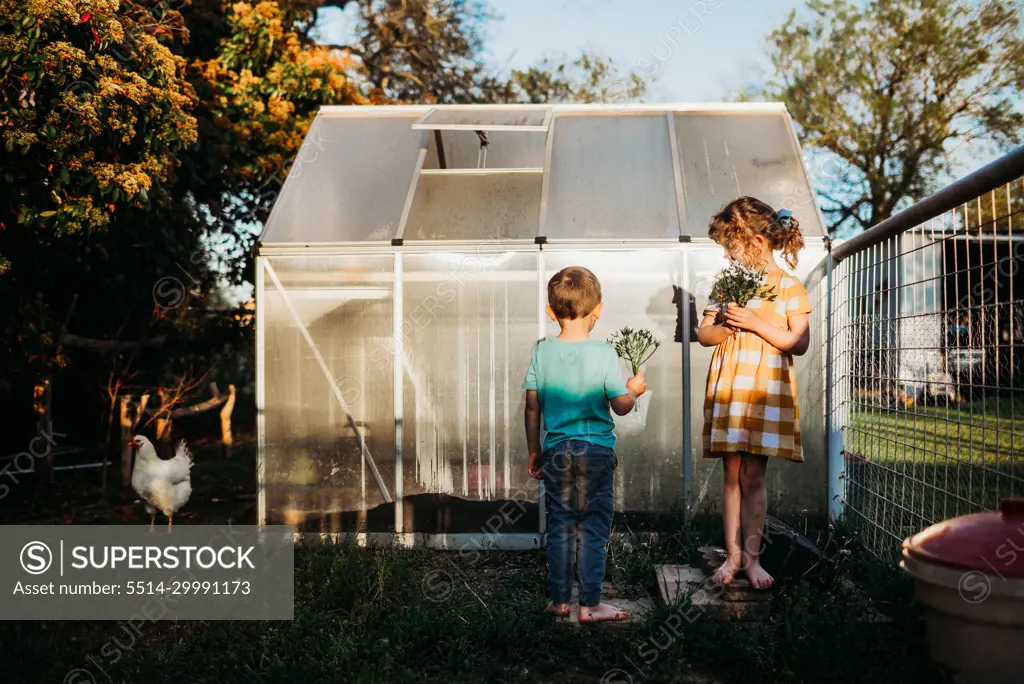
484, 142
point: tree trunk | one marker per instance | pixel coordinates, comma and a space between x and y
225, 421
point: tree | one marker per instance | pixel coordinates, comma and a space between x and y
93, 111
431, 51
124, 297
887, 93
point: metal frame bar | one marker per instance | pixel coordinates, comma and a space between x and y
327, 374
835, 467
479, 127
541, 335
418, 121
398, 367
1004, 170
599, 109
547, 118
261, 394
685, 294
483, 171
677, 172
327, 249
545, 186
413, 183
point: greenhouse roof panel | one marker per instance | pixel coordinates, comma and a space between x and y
349, 180
588, 172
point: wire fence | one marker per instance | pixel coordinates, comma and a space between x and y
927, 377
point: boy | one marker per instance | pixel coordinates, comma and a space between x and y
572, 380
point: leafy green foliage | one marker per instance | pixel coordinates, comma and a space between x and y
738, 284
888, 95
93, 113
635, 346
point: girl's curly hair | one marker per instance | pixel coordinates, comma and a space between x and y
736, 225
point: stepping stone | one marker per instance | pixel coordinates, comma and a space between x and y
638, 608
738, 600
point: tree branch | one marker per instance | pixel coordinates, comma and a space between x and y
104, 346
194, 409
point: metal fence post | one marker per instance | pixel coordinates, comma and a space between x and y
833, 433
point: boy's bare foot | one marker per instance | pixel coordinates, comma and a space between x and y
759, 578
725, 572
602, 613
558, 609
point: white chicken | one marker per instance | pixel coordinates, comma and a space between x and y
164, 485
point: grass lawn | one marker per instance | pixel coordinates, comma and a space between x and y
375, 615
911, 467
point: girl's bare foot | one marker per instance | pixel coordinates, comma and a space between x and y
725, 572
759, 578
602, 613
558, 609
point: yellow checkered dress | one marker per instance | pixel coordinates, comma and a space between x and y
750, 404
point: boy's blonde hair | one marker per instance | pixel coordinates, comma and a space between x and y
573, 292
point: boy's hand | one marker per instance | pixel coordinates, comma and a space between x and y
742, 318
535, 466
636, 384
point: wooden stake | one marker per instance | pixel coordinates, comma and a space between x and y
163, 425
126, 435
225, 420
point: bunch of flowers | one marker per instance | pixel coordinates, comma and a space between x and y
738, 284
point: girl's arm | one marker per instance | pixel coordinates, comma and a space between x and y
711, 335
793, 341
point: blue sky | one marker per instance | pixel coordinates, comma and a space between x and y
692, 50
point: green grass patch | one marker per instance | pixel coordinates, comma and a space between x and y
908, 468
372, 615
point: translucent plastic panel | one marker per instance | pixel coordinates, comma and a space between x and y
725, 156
349, 181
611, 177
315, 475
485, 119
505, 150
793, 489
637, 288
469, 328
475, 207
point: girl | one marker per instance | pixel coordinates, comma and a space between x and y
750, 409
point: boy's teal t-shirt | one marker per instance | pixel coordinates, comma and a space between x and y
574, 381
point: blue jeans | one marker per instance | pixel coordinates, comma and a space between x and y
579, 502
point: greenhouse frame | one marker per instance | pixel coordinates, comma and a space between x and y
401, 284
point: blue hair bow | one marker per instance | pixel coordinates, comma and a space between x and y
785, 218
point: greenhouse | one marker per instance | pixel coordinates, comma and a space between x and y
401, 286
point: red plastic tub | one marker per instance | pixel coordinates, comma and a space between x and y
969, 575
